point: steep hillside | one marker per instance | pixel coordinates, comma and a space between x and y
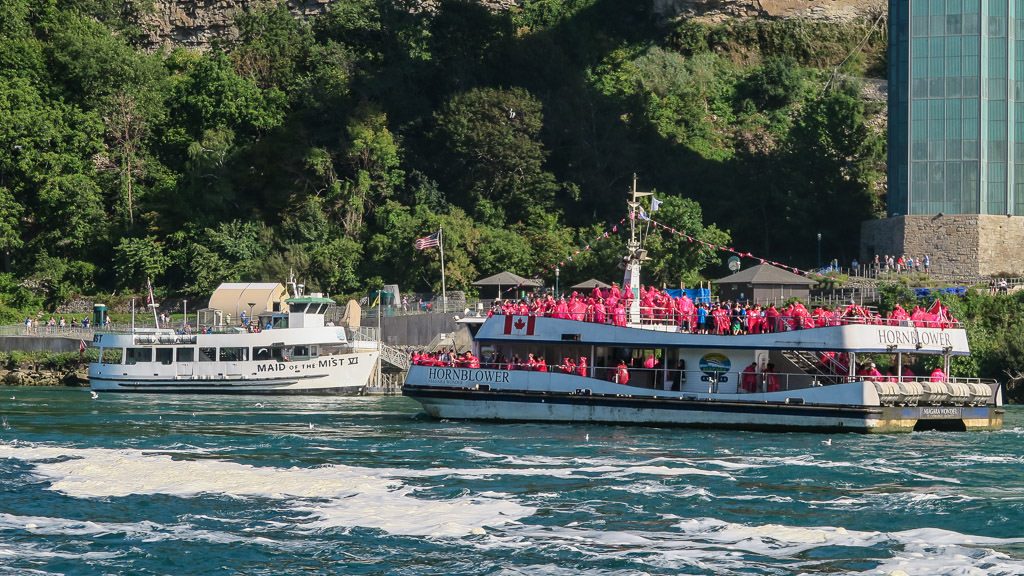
325, 145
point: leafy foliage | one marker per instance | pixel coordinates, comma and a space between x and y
327, 146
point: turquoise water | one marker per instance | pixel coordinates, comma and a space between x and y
135, 484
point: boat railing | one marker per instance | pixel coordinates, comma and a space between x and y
765, 324
658, 378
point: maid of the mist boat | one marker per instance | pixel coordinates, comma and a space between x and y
298, 354
707, 380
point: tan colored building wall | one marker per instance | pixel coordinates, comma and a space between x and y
960, 245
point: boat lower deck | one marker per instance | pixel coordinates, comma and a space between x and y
581, 406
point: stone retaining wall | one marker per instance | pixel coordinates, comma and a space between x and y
960, 245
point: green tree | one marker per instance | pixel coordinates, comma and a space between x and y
211, 95
494, 154
273, 46
10, 230
776, 82
373, 168
140, 260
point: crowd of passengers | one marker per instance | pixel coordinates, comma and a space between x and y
611, 306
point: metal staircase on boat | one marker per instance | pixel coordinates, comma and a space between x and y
811, 364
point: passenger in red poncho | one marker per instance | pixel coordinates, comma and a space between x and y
748, 381
622, 373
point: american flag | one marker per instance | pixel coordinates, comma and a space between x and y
432, 241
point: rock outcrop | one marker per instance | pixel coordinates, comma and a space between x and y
721, 10
197, 23
42, 377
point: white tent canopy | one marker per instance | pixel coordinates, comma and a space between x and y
235, 297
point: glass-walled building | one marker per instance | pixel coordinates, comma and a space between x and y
956, 107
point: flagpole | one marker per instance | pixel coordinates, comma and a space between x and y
152, 303
444, 291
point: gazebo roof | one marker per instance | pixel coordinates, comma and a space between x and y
507, 279
766, 274
592, 283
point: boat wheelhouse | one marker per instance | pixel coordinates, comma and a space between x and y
282, 353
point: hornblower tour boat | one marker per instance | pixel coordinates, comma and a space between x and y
783, 380
291, 353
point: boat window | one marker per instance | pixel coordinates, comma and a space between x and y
300, 352
332, 349
207, 354
298, 308
164, 355
113, 355
136, 355
261, 353
312, 351
186, 354
234, 354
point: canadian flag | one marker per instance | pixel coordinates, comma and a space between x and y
519, 325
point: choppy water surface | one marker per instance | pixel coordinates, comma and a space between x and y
135, 484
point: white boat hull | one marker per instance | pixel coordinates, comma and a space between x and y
336, 375
524, 396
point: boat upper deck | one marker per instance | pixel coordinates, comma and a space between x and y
867, 336
237, 337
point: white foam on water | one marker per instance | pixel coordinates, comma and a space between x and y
990, 459
718, 546
768, 497
144, 531
880, 466
655, 487
731, 465
345, 495
664, 471
658, 464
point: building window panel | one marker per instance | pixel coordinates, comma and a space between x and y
970, 45
970, 150
920, 88
952, 87
920, 26
953, 24
953, 149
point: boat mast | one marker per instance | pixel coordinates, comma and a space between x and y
635, 254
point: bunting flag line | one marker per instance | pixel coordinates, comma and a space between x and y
691, 239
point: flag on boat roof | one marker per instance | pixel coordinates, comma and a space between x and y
655, 204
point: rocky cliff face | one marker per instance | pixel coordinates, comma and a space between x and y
197, 23
719, 10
